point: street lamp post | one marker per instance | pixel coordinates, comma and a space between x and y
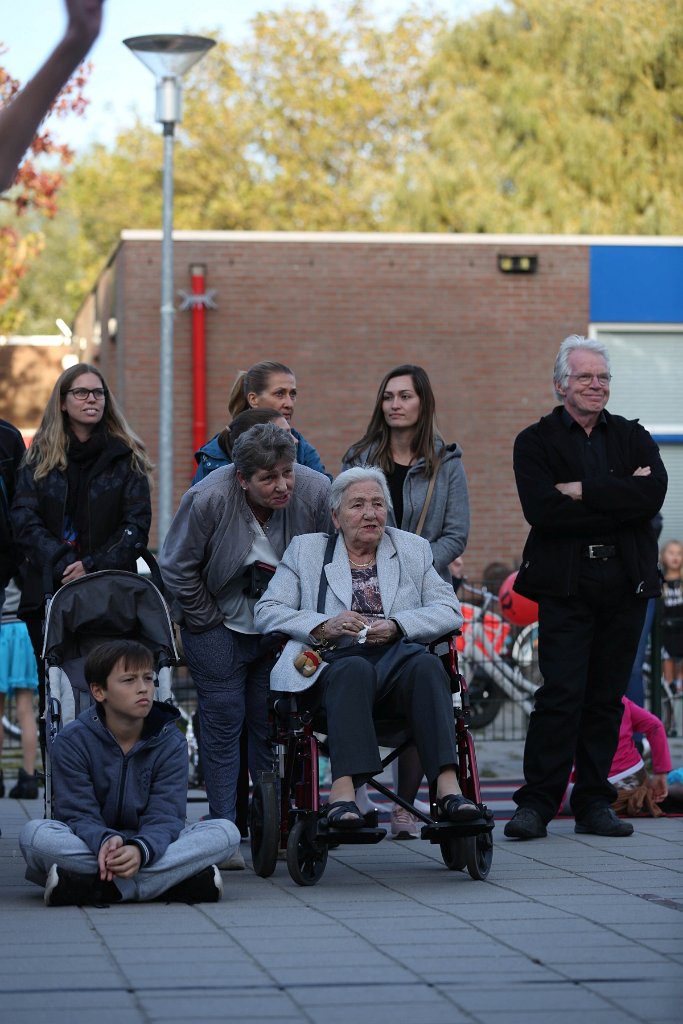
168, 57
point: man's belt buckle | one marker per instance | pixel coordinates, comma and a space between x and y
601, 551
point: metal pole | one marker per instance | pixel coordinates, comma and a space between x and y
165, 463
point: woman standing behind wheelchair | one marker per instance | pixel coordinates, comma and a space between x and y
229, 529
84, 482
266, 385
358, 598
429, 495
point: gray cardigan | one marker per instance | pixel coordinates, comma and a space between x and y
212, 533
413, 594
448, 520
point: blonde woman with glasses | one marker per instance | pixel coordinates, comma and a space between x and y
84, 482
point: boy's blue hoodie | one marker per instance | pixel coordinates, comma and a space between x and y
100, 792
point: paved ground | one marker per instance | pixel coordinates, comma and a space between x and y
570, 928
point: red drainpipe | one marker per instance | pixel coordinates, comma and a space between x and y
198, 301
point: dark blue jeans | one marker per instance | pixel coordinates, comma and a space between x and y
232, 677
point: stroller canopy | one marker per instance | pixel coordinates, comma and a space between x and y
104, 606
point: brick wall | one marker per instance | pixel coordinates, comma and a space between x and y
342, 313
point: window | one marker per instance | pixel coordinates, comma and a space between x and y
647, 369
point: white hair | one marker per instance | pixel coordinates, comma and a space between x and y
356, 475
561, 369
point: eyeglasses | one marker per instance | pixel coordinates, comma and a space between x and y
81, 394
586, 379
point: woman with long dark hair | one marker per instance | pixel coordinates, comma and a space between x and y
429, 495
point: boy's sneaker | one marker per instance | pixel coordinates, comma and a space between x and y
235, 862
403, 824
204, 887
26, 787
65, 889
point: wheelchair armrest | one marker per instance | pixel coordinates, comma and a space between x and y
444, 647
444, 643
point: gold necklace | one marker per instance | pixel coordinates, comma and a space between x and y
360, 565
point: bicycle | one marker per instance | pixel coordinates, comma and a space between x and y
498, 661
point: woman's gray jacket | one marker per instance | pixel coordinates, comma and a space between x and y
213, 531
448, 520
420, 602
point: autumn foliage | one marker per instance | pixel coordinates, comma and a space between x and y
36, 185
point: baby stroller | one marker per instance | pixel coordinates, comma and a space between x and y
101, 606
294, 823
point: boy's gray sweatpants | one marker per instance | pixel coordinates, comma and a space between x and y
45, 842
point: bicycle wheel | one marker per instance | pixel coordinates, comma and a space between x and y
264, 829
485, 699
306, 860
479, 854
525, 653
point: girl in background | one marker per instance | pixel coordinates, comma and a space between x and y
19, 678
671, 558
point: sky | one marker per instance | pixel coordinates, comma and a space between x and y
120, 84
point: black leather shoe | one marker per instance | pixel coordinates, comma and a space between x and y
600, 820
525, 823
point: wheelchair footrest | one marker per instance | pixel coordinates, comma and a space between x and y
440, 831
349, 836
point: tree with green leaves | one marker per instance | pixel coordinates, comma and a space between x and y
562, 117
553, 117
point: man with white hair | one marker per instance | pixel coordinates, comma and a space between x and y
589, 483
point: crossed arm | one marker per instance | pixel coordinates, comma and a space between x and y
19, 120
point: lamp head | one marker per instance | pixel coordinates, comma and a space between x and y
168, 57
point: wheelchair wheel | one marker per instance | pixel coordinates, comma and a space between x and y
479, 854
264, 829
454, 854
306, 860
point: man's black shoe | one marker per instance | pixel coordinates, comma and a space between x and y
525, 823
602, 821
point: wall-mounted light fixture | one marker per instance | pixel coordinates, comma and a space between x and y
517, 264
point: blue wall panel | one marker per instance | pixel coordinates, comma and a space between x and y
636, 284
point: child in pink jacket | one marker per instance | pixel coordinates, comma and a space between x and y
639, 791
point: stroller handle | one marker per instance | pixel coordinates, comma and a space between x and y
150, 561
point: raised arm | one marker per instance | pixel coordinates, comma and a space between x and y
20, 118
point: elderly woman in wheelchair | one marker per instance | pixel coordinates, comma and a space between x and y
365, 603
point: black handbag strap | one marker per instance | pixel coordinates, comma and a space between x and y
322, 589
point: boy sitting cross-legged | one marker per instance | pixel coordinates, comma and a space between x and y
120, 793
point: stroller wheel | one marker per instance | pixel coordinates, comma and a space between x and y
454, 854
306, 859
479, 852
264, 829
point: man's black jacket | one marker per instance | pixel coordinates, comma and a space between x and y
617, 505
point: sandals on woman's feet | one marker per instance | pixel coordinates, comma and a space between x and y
335, 814
456, 807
